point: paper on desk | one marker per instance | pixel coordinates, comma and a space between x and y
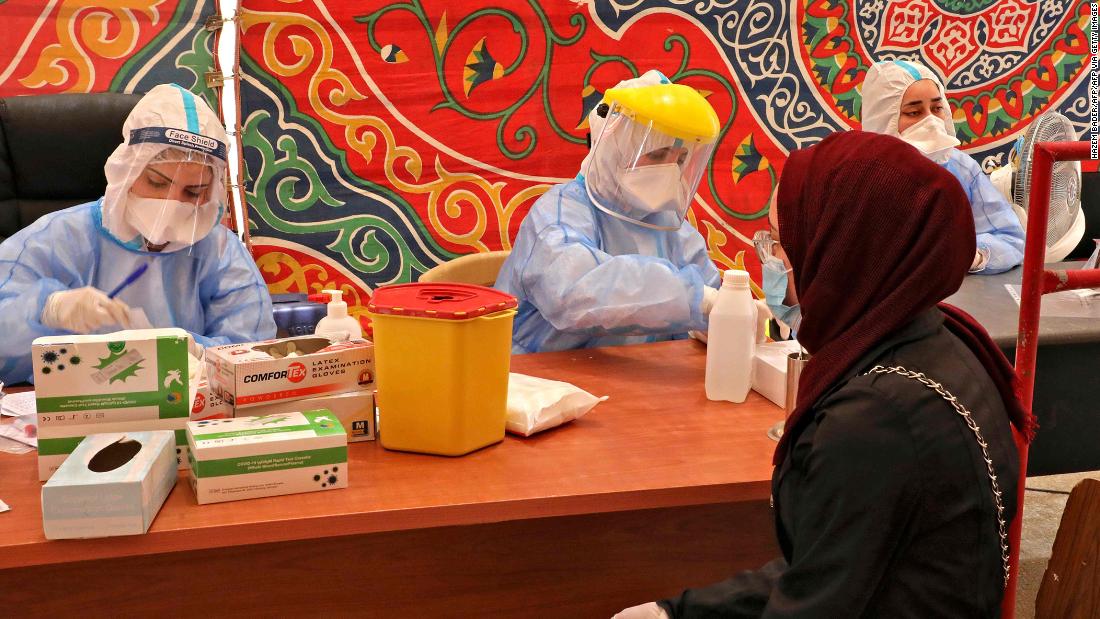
1065, 304
3, 507
17, 404
11, 446
20, 436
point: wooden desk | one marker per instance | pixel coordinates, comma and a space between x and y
656, 489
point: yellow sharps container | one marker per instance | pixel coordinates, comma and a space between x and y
442, 353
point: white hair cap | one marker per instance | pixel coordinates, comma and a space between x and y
168, 124
883, 88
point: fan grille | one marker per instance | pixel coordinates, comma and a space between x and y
1065, 182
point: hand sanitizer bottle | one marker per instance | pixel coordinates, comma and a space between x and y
731, 340
337, 325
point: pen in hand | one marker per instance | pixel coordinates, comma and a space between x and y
131, 278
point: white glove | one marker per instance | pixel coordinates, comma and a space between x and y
710, 296
648, 610
981, 258
84, 310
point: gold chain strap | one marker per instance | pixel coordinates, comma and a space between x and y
1002, 529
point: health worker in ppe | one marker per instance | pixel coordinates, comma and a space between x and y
775, 269
161, 211
607, 258
907, 100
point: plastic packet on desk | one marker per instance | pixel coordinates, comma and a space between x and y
20, 436
537, 404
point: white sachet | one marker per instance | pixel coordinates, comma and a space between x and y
537, 404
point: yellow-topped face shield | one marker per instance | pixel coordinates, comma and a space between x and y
648, 160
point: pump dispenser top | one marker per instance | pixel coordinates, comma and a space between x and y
336, 325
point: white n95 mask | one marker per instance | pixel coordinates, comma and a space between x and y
930, 137
652, 189
170, 221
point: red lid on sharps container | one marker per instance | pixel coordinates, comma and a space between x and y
443, 300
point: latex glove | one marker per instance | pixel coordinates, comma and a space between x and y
84, 310
981, 258
710, 296
649, 610
763, 315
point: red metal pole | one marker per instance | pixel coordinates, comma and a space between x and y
1057, 281
1036, 282
1035, 249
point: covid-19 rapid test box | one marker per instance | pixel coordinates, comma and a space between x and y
119, 382
267, 455
354, 409
248, 375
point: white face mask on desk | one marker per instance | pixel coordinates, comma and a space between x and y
537, 404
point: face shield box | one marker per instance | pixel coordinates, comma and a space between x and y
112, 484
292, 368
117, 382
355, 410
267, 455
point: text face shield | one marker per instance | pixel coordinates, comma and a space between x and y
640, 174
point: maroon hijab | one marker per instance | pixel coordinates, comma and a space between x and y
876, 233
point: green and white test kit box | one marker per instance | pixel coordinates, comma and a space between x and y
354, 409
118, 382
267, 455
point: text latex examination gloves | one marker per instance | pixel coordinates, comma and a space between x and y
931, 138
84, 310
537, 404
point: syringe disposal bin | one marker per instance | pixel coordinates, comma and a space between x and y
442, 353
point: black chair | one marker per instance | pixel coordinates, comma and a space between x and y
52, 152
1090, 204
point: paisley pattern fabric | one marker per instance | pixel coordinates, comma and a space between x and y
54, 46
382, 138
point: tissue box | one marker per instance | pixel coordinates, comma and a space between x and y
355, 410
111, 484
248, 375
769, 375
119, 382
269, 455
208, 404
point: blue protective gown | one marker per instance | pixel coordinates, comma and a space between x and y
213, 290
999, 231
585, 279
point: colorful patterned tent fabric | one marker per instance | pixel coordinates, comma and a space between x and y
382, 138
123, 46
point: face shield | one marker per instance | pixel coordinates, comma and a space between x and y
651, 154
166, 181
171, 200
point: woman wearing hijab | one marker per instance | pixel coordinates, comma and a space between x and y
906, 99
884, 503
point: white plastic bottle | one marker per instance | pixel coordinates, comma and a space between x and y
337, 325
731, 340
